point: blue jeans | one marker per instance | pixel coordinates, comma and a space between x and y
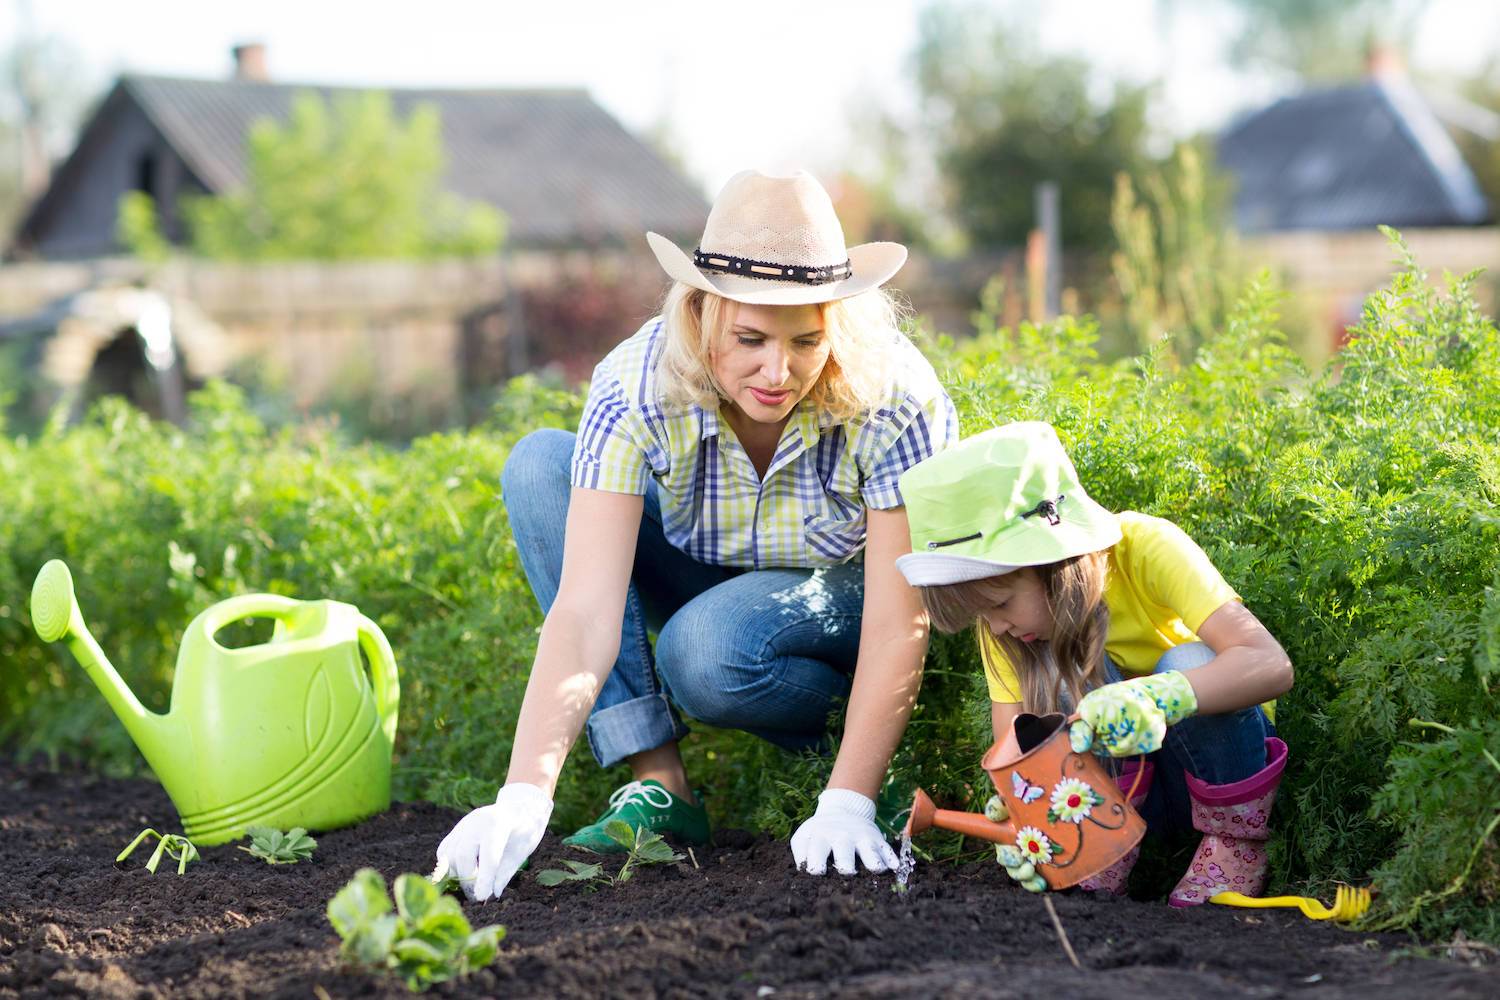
770, 652
1217, 749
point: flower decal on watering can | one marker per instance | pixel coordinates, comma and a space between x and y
1072, 799
1034, 845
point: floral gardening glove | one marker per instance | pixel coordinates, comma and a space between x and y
1131, 717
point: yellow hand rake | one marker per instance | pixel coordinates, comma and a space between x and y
1349, 902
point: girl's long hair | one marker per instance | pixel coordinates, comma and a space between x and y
1071, 662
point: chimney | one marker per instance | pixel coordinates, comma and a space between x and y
250, 63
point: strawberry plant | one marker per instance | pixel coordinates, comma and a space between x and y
641, 848
179, 849
424, 938
277, 848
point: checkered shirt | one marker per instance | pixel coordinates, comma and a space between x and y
810, 509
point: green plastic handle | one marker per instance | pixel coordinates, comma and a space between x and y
272, 606
382, 674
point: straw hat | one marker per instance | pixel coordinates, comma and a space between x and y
776, 241
995, 502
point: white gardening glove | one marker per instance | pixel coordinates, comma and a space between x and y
844, 826
486, 848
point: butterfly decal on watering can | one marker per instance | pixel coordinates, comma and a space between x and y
1023, 789
1076, 830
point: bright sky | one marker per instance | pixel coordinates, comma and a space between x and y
733, 84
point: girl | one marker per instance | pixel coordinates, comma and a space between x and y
1120, 615
732, 489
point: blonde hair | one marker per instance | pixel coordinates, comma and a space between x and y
1071, 662
863, 334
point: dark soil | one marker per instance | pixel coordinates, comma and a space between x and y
741, 923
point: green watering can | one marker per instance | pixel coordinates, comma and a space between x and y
288, 733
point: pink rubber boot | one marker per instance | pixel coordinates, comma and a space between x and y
1232, 819
1116, 878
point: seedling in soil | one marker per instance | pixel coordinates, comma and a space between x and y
180, 849
426, 940
277, 848
641, 848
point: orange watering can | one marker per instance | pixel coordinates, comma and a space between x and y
1066, 815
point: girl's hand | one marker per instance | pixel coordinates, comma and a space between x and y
1131, 717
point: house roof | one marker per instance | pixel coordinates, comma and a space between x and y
562, 168
1349, 157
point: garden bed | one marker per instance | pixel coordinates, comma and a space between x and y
738, 923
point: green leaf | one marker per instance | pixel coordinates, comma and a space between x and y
657, 851
444, 927
359, 903
620, 832
580, 872
415, 898
483, 945
371, 943
416, 950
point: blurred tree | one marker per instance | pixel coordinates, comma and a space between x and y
11, 198
1003, 117
43, 94
338, 180
1177, 263
1318, 39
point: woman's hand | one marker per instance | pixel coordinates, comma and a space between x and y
844, 826
486, 848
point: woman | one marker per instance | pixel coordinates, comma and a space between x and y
732, 487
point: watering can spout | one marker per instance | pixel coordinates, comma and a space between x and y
55, 615
924, 816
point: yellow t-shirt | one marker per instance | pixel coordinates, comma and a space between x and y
1160, 588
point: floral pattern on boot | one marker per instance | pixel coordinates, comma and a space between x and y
1232, 855
1116, 878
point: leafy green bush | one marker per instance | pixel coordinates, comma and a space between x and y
1356, 509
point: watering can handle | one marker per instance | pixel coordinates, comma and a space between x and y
272, 606
382, 673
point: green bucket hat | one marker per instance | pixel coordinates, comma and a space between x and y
1006, 498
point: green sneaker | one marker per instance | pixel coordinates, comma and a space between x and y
649, 806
